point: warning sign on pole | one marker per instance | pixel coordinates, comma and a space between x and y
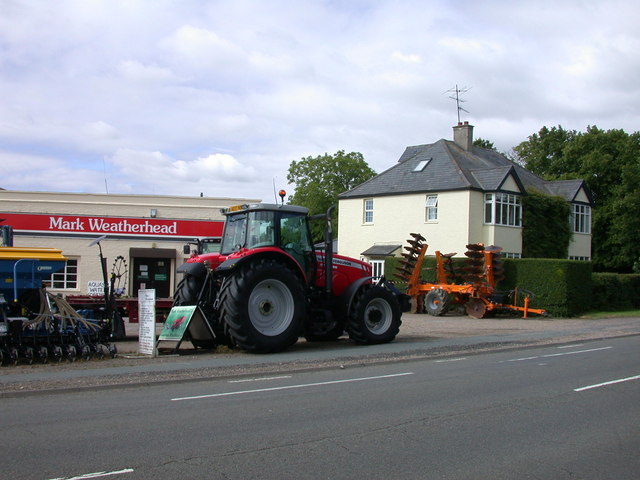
147, 319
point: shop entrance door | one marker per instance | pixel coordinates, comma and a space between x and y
152, 273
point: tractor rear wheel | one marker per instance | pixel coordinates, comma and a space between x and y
436, 302
263, 306
374, 316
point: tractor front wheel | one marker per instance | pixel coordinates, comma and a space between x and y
374, 316
263, 306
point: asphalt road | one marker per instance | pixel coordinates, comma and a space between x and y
553, 412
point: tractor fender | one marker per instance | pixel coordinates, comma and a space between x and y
232, 263
346, 298
195, 269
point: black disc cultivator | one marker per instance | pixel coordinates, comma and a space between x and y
41, 327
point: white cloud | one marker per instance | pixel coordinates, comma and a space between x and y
221, 96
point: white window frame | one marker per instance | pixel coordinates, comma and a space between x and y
367, 211
510, 255
431, 208
68, 276
579, 258
581, 218
504, 209
377, 268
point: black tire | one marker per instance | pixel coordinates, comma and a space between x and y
437, 302
263, 306
374, 316
324, 328
187, 290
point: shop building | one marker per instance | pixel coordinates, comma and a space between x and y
144, 235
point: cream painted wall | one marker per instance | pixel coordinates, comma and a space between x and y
581, 196
460, 221
510, 185
395, 217
580, 245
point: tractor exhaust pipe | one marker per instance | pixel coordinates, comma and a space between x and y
328, 252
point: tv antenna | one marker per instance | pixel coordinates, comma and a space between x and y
458, 91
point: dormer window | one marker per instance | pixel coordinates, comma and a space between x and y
421, 165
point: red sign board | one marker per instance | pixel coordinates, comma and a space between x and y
117, 226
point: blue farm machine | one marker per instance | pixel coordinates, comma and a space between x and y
35, 324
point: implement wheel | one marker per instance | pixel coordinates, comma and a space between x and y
436, 302
263, 306
475, 308
374, 316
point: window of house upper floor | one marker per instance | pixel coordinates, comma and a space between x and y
367, 211
502, 209
581, 218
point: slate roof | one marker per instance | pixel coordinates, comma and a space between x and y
450, 167
385, 250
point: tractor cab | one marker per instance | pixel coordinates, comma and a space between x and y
270, 226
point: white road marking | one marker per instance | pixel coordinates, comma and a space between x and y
620, 380
258, 379
451, 360
577, 351
95, 475
558, 354
288, 387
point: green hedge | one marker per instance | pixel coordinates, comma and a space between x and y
562, 287
613, 291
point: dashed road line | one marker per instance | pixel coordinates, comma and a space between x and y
612, 382
289, 387
96, 475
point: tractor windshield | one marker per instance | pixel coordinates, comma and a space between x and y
248, 230
235, 231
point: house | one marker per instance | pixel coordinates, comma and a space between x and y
453, 193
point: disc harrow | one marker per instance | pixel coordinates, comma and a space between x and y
480, 274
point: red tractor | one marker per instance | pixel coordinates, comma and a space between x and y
268, 285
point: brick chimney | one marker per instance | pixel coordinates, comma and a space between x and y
463, 135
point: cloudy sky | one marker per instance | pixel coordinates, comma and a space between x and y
218, 97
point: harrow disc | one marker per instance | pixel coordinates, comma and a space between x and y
475, 308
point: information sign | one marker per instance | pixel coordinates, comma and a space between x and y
186, 322
147, 321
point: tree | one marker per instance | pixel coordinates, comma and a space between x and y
609, 163
482, 143
319, 180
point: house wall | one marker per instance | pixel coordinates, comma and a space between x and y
460, 221
580, 245
396, 216
509, 238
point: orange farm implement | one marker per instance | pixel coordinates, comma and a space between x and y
476, 291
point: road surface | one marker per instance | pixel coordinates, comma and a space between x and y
553, 412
